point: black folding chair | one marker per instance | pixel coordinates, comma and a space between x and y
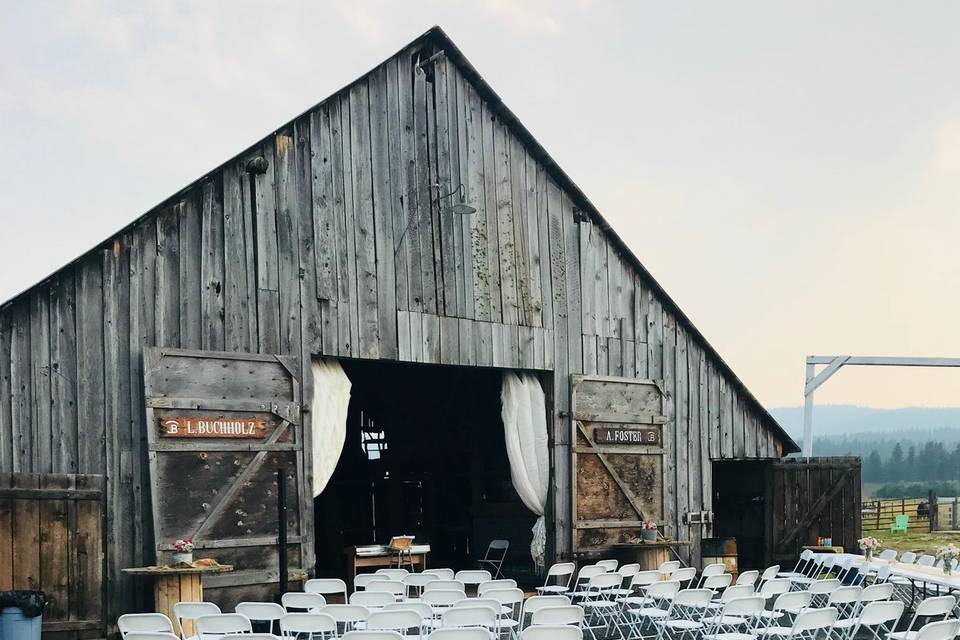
493, 559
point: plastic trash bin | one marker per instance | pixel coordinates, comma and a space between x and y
21, 614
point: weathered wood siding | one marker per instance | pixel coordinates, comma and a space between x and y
342, 248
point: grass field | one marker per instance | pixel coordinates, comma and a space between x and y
917, 541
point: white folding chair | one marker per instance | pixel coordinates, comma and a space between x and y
566, 615
810, 623
144, 623
473, 577
888, 554
718, 582
395, 588
669, 566
151, 635
558, 578
360, 581
684, 575
876, 592
732, 593
250, 636
371, 635
393, 574
347, 616
503, 583
640, 581
319, 626
372, 599
512, 600
736, 619
601, 609
942, 630
302, 601
220, 624
768, 574
936, 607
416, 582
627, 573
787, 605
536, 603
799, 570
442, 599
494, 557
774, 587
714, 569
460, 617
425, 611
399, 620
846, 599
261, 612
584, 575
684, 618
609, 565
442, 574
190, 611
748, 577
460, 634
327, 587
878, 618
926, 560
552, 633
445, 585
820, 590
653, 606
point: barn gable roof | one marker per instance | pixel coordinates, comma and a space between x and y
438, 39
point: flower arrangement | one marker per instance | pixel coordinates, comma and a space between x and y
648, 531
183, 546
868, 545
948, 555
183, 551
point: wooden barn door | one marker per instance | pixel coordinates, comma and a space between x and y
51, 540
219, 425
811, 497
617, 459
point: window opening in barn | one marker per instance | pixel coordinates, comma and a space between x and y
425, 456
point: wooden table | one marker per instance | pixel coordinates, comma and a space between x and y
177, 584
379, 560
823, 549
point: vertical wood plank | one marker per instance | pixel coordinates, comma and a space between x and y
348, 315
289, 208
239, 298
571, 231
41, 428
449, 233
266, 260
383, 176
26, 537
90, 375
509, 292
167, 278
364, 238
21, 388
6, 542
190, 256
683, 433
424, 170
212, 254
520, 240
671, 429
63, 363
6, 390
491, 210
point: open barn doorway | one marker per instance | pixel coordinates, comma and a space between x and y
424, 455
739, 506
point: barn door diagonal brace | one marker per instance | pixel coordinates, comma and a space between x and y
816, 508
631, 498
241, 479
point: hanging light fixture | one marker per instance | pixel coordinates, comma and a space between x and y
460, 208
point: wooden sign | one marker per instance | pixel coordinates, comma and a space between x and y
624, 435
212, 427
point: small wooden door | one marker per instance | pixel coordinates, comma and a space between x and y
812, 497
617, 459
219, 425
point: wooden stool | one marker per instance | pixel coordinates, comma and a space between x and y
401, 545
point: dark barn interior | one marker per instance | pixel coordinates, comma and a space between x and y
739, 505
424, 455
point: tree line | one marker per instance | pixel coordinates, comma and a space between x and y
927, 462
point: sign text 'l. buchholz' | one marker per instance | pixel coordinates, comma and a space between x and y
212, 427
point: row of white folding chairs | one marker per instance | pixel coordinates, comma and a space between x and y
534, 633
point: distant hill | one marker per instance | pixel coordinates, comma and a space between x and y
837, 420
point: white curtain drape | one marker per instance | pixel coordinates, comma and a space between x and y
328, 411
524, 412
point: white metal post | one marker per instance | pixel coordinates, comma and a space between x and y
808, 413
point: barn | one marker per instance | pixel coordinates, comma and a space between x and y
405, 262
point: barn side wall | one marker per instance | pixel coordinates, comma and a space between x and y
344, 248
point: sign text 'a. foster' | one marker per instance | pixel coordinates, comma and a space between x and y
622, 435
212, 427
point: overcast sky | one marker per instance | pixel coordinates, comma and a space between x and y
789, 171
